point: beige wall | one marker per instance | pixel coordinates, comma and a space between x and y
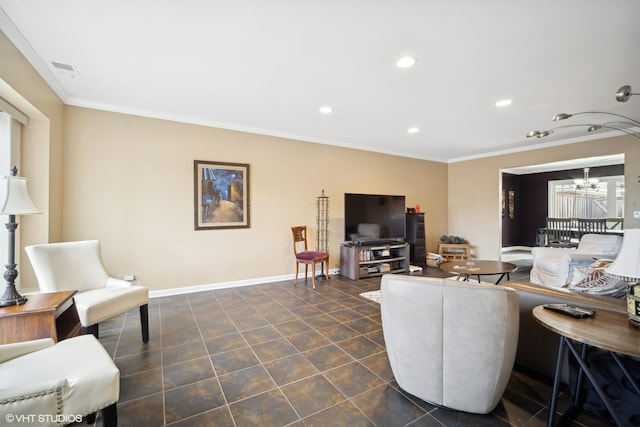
474, 188
129, 183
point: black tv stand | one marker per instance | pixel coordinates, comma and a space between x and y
377, 242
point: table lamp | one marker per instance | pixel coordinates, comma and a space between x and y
14, 200
627, 267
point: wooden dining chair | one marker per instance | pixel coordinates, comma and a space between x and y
591, 226
560, 233
305, 256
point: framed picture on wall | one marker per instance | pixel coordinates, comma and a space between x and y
512, 204
221, 195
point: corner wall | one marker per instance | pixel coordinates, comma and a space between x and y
41, 154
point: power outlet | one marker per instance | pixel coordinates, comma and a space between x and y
636, 214
129, 277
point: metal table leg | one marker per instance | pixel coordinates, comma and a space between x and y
585, 368
502, 276
625, 371
556, 383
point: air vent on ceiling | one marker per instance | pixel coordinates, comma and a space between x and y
65, 69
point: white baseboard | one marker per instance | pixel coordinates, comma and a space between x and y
226, 285
516, 248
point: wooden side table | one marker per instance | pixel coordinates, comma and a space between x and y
49, 315
607, 330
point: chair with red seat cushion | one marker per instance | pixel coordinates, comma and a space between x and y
305, 256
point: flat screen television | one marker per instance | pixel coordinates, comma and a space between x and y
374, 218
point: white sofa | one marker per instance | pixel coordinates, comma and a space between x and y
555, 266
449, 342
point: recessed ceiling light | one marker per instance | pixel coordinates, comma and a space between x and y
326, 109
503, 103
413, 130
406, 62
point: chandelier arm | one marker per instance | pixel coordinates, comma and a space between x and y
619, 122
547, 132
619, 129
542, 134
637, 123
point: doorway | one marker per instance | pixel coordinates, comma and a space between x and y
551, 190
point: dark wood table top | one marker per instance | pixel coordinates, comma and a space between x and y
48, 315
38, 303
608, 330
478, 267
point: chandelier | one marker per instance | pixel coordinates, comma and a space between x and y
586, 182
622, 95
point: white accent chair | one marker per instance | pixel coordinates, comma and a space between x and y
555, 266
47, 384
78, 266
450, 343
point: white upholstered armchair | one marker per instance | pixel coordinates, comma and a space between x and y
78, 266
450, 343
47, 384
555, 266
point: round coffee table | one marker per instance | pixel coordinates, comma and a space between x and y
479, 268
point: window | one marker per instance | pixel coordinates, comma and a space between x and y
9, 156
5, 142
602, 200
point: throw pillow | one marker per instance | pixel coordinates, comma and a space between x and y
600, 283
581, 273
601, 263
434, 260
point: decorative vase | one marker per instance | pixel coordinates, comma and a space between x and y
633, 304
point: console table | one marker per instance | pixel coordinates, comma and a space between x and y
48, 315
607, 330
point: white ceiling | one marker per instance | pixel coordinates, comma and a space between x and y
267, 66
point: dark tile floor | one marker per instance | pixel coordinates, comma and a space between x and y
281, 355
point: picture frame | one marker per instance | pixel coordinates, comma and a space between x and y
221, 195
512, 204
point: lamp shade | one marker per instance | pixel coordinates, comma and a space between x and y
14, 198
627, 263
